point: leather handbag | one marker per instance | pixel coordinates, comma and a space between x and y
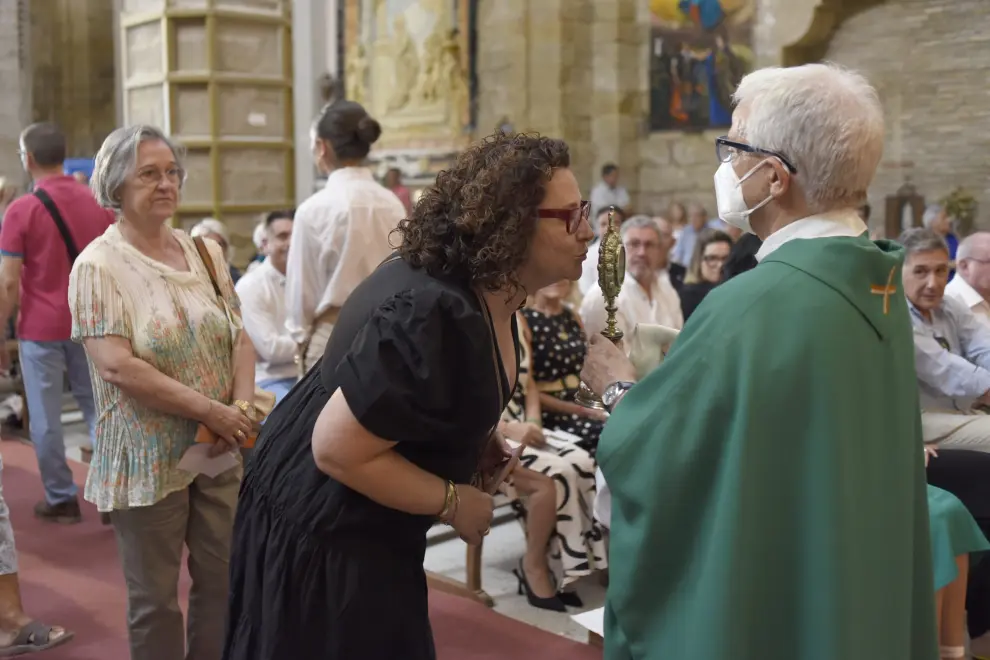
264, 401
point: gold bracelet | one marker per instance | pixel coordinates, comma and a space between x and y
450, 501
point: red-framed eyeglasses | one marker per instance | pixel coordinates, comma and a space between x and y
573, 217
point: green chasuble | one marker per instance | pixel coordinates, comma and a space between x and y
768, 480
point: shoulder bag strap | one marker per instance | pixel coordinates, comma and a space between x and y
207, 260
53, 211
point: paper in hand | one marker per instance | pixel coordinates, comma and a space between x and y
648, 346
197, 460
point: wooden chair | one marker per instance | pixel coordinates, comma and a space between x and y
471, 587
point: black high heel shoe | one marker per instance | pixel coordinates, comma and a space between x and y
553, 603
570, 598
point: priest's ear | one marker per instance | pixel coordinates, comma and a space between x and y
780, 179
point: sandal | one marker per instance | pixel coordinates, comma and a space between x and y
35, 636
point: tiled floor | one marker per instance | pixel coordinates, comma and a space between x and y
502, 552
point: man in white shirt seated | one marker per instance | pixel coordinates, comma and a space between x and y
971, 285
262, 294
647, 295
951, 349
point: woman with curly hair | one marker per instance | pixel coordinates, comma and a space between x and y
396, 429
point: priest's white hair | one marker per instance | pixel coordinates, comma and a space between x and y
826, 120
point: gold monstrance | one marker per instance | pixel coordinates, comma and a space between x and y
611, 271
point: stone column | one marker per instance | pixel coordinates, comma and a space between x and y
15, 101
619, 101
503, 64
312, 41
217, 75
535, 71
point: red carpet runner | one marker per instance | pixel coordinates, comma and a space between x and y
70, 576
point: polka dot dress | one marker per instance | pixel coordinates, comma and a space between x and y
558, 347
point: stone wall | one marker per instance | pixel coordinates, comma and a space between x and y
930, 61
681, 166
578, 69
73, 69
15, 99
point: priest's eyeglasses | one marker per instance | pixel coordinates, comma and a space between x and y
727, 149
573, 217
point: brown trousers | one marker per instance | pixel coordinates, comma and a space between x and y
150, 540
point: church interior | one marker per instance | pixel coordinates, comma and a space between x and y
639, 90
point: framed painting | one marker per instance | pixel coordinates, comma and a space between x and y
699, 51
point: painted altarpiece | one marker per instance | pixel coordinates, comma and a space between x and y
410, 63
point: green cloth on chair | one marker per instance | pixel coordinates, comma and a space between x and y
768, 480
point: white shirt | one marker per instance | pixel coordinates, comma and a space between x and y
589, 269
604, 196
661, 307
960, 289
843, 222
339, 236
262, 294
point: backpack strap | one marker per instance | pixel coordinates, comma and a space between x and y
53, 211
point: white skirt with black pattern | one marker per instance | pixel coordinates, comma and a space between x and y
577, 546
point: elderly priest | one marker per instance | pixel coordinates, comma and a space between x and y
767, 480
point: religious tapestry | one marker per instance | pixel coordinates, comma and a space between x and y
699, 51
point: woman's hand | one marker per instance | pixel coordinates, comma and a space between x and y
930, 452
495, 455
473, 518
525, 433
605, 364
230, 424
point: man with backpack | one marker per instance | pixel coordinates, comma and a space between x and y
41, 235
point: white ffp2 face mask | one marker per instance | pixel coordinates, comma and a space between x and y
729, 196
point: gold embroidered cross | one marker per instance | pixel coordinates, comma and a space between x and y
886, 291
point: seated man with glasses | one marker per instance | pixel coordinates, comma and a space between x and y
768, 495
952, 349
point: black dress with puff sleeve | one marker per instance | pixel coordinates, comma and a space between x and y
318, 570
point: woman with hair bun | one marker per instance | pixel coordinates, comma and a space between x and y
341, 233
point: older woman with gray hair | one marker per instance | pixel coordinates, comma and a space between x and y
158, 316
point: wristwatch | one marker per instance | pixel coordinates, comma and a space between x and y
614, 392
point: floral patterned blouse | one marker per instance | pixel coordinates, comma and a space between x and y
175, 323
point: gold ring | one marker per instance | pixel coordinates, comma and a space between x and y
240, 434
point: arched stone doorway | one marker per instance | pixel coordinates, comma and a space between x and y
828, 17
